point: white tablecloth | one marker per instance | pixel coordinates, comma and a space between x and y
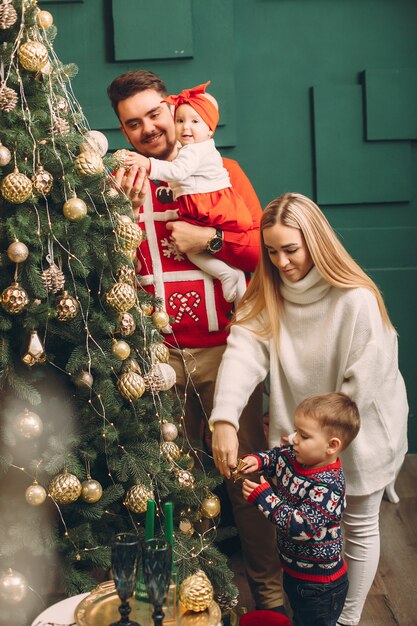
61, 613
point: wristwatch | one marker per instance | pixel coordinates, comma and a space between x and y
215, 244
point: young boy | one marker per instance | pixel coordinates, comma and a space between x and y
307, 505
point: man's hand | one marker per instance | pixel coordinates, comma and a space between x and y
134, 183
189, 237
225, 446
248, 486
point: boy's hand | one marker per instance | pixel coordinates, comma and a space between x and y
251, 463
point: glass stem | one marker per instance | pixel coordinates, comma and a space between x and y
158, 615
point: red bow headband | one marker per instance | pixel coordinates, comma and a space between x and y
196, 99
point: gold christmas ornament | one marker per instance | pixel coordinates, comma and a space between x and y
89, 163
8, 100
131, 385
65, 488
35, 494
146, 308
18, 252
42, 181
161, 377
126, 274
47, 69
74, 209
121, 349
13, 586
196, 592
91, 490
53, 278
16, 187
95, 140
170, 450
186, 526
44, 19
5, 154
59, 126
160, 353
129, 234
225, 602
67, 307
27, 425
61, 105
185, 478
210, 506
137, 498
169, 431
14, 299
120, 156
121, 297
160, 319
33, 55
126, 325
84, 379
8, 15
35, 354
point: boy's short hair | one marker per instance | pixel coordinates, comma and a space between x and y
133, 82
336, 413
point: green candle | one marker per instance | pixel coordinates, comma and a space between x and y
150, 520
169, 526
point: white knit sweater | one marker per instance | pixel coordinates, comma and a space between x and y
331, 340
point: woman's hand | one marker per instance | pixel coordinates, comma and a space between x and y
225, 447
135, 184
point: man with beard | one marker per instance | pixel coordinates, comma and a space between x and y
198, 334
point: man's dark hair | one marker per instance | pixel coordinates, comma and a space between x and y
133, 82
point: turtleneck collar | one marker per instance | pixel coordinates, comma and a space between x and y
309, 289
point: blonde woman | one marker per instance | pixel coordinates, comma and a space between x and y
316, 322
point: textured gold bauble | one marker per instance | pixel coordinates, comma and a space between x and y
160, 319
44, 19
170, 450
33, 55
186, 526
42, 181
169, 431
210, 506
146, 308
16, 187
137, 497
95, 140
8, 15
89, 163
91, 490
196, 592
35, 353
74, 209
126, 274
65, 488
13, 586
121, 297
131, 385
129, 234
120, 157
127, 325
67, 307
84, 379
53, 278
160, 353
35, 494
185, 478
8, 100
5, 154
14, 299
161, 377
28, 425
18, 252
121, 349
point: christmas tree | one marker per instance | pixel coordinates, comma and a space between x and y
91, 426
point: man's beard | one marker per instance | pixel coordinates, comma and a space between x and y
163, 155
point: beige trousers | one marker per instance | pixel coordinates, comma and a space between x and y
196, 370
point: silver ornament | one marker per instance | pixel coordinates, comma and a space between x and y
5, 154
28, 425
84, 379
95, 140
169, 431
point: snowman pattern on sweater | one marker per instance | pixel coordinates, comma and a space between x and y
306, 506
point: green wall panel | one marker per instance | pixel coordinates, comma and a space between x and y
391, 104
349, 170
139, 35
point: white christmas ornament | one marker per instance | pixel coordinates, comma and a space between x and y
13, 586
28, 425
95, 140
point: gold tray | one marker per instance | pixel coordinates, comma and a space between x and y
101, 608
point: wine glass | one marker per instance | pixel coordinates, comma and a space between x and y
125, 555
157, 566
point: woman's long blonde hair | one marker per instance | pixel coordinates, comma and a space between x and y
333, 263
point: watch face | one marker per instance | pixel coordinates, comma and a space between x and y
215, 244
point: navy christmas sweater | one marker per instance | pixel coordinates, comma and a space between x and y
306, 506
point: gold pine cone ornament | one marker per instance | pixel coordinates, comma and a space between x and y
196, 592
